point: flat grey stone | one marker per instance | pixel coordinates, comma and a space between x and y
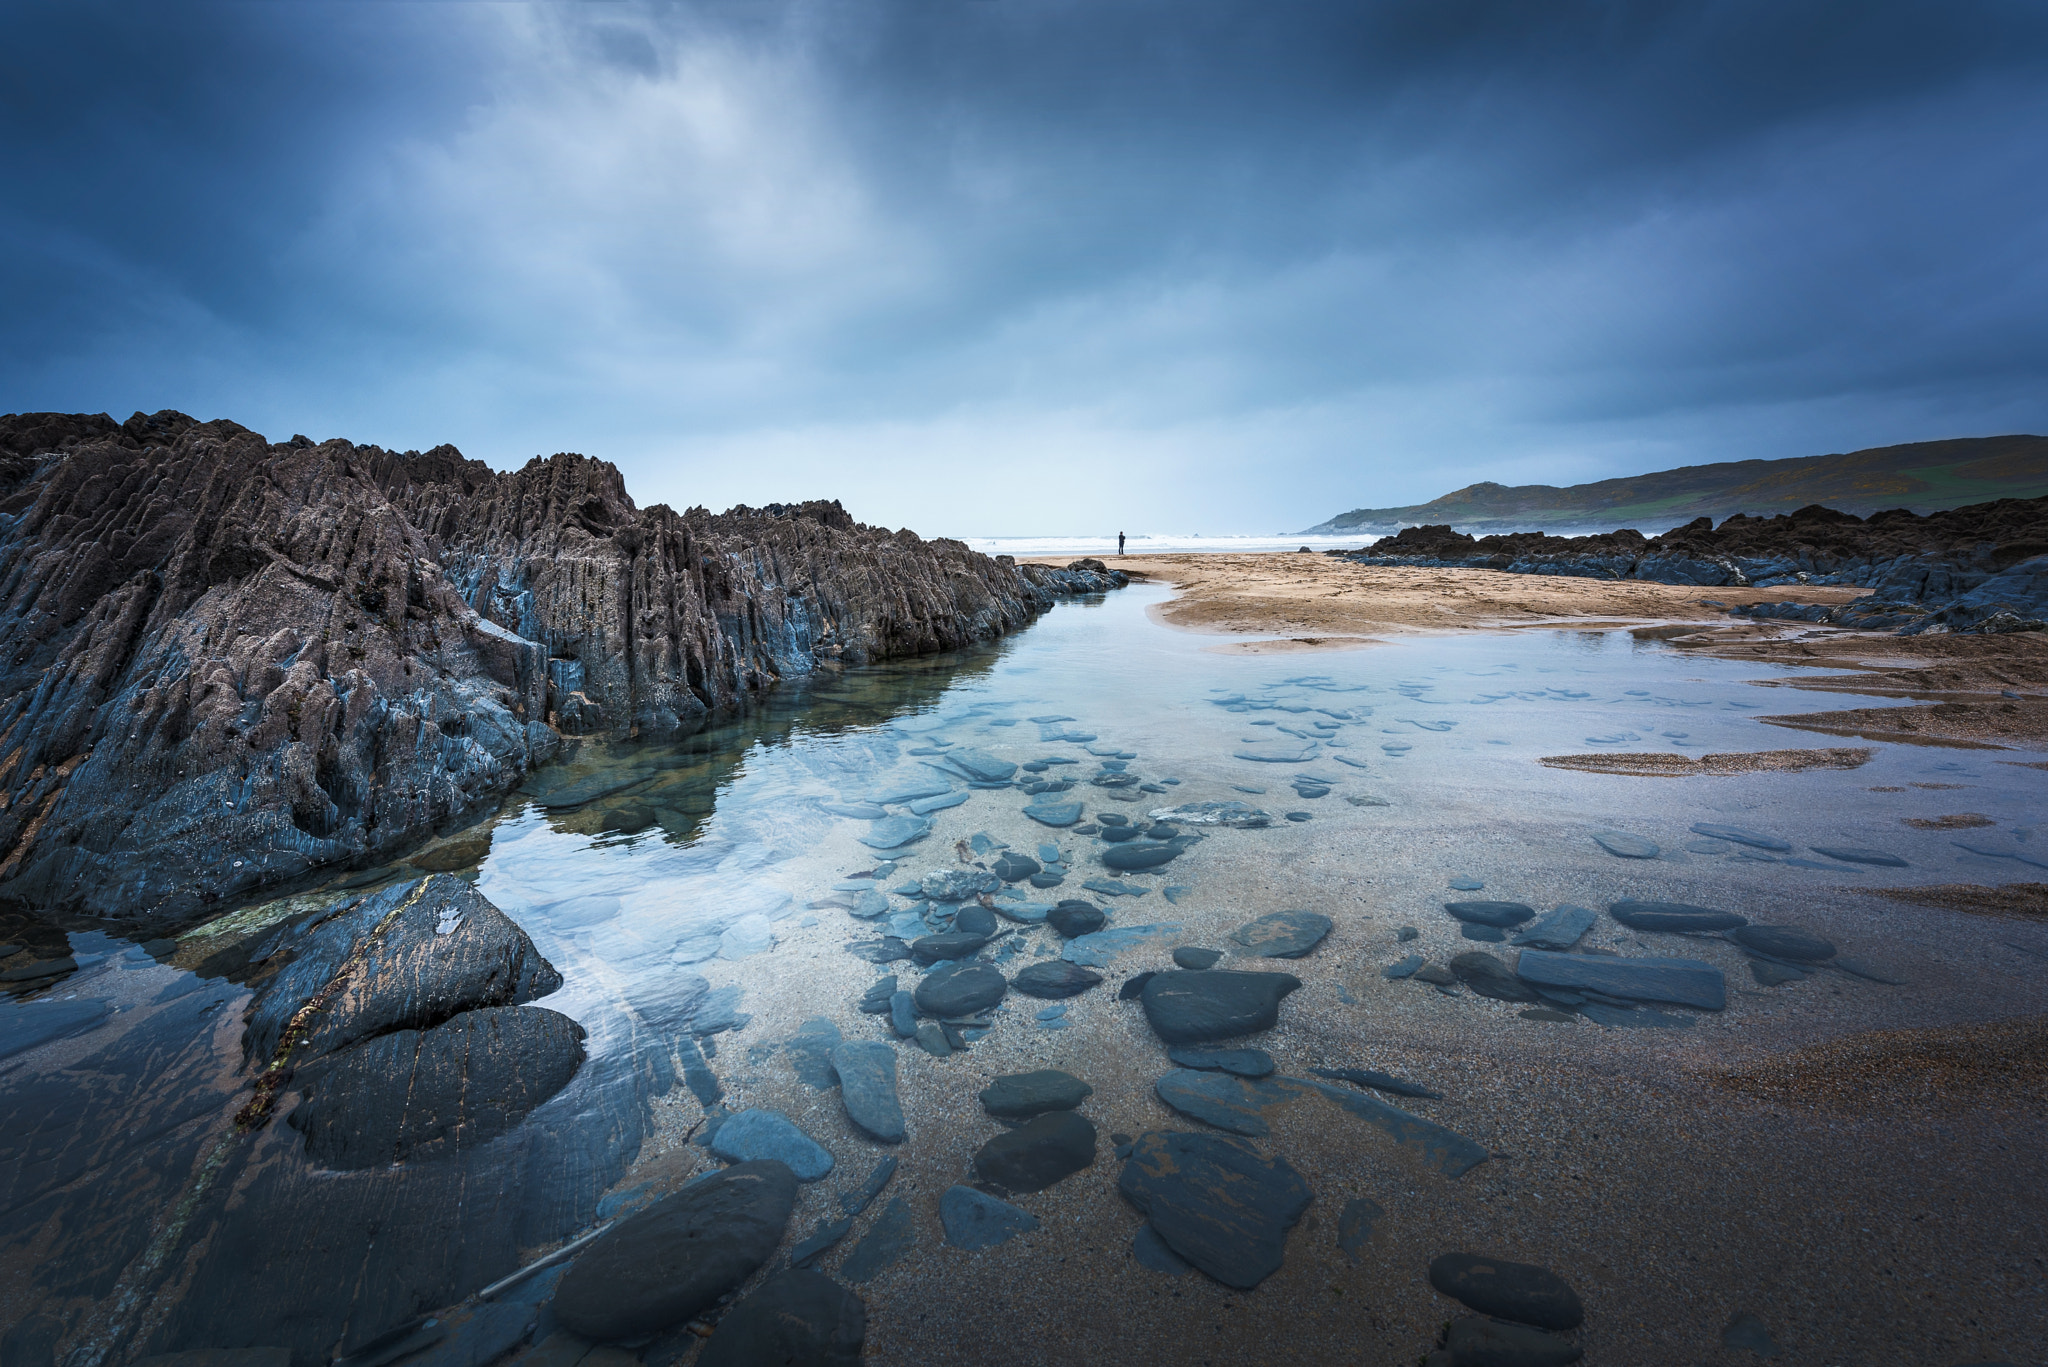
1152, 1253
911, 791
809, 1052
1279, 752
1742, 836
1379, 1082
956, 990
1054, 813
893, 1234
1557, 929
1625, 846
1042, 1151
1489, 977
981, 766
1055, 978
1402, 968
974, 1220
1095, 950
673, 1260
1236, 1104
867, 1085
798, 1317
1852, 854
1019, 1096
1189, 1007
1672, 916
1216, 1201
1520, 1292
1141, 854
1682, 982
1242, 1062
759, 1134
895, 832
1449, 1152
1283, 934
1502, 914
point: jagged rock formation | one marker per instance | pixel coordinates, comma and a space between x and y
1962, 569
230, 662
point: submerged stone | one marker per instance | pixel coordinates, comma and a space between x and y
1189, 956
1783, 942
1073, 918
1489, 977
1216, 1201
1521, 1292
1672, 916
1055, 978
1682, 982
974, 1220
867, 1085
1097, 949
958, 990
1037, 1154
758, 1134
1850, 854
1502, 914
1054, 813
1187, 1007
1019, 1096
1241, 815
800, 1316
1626, 846
1242, 1062
1141, 854
1560, 928
896, 831
1742, 836
1283, 934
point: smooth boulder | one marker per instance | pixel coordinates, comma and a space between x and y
1055, 978
1074, 918
958, 990
673, 1260
1187, 1006
1521, 1292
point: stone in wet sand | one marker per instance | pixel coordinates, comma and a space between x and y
1011, 867
1520, 1292
951, 944
1189, 956
760, 1135
1042, 1151
1558, 929
1379, 1082
1851, 854
1242, 1062
1489, 977
958, 990
1283, 934
1055, 978
1502, 914
1217, 1201
1742, 836
1152, 1253
1672, 916
974, 1220
1354, 1224
1074, 918
1228, 1102
1682, 982
1019, 1096
1625, 846
867, 1085
1187, 1007
1476, 1342
1783, 942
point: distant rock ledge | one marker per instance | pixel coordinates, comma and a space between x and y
230, 662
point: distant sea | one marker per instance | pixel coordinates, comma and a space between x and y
1157, 543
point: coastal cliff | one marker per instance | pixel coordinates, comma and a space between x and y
230, 662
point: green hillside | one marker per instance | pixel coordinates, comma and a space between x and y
1925, 476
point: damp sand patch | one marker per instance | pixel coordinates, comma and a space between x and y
1877, 1072
1657, 764
2022, 901
1956, 725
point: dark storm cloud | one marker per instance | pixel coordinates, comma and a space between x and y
1007, 266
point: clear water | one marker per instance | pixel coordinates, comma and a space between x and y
639, 869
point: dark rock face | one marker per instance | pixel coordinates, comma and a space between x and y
1188, 1006
799, 1317
673, 1260
412, 1095
1216, 1201
1038, 1153
1521, 1292
235, 662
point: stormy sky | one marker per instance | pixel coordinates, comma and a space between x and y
987, 267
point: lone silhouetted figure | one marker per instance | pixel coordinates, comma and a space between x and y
1119, 543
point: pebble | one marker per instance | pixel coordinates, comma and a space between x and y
799, 1316
933, 1040
1489, 977
824, 1236
1011, 867
854, 1202
1491, 935
1283, 934
1404, 968
867, 1085
1037, 1154
1625, 846
1672, 916
974, 1220
1141, 854
1185, 1007
975, 920
1301, 816
1502, 914
1051, 1013
1242, 1062
1189, 956
1074, 917
1019, 1096
1055, 978
1682, 982
674, 1259
1216, 1201
1436, 974
1520, 1292
758, 1134
958, 990
1466, 885
1407, 933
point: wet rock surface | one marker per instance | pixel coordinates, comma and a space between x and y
1187, 1006
673, 1260
1672, 916
1044, 1150
1217, 1201
1283, 934
957, 990
1054, 979
1682, 982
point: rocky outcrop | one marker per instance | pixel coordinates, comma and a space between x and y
232, 662
1974, 568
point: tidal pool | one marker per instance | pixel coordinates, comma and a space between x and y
718, 919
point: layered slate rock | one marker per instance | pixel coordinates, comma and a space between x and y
893, 833
1097, 949
961, 989
1501, 914
1742, 835
414, 1095
867, 1086
1186, 1006
974, 1220
1449, 1152
1855, 854
1283, 934
1019, 1096
1042, 1151
1216, 1201
1682, 982
1054, 813
1229, 1102
1242, 1062
1625, 846
799, 1317
1241, 815
1521, 1292
1055, 978
1560, 928
1672, 916
759, 1135
673, 1260
957, 885
1784, 942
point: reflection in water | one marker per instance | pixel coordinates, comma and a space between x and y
659, 877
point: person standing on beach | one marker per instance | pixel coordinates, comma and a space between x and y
1119, 543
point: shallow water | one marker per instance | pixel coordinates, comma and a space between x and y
686, 892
